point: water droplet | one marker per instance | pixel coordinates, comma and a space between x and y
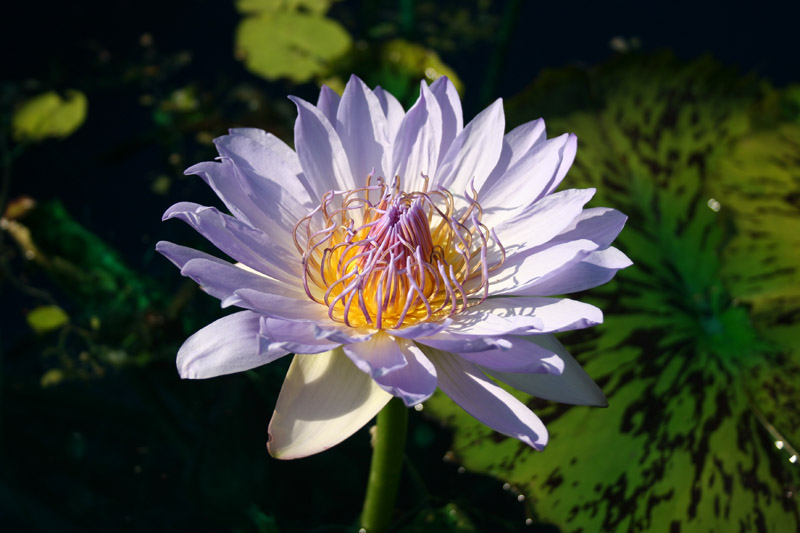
521, 497
779, 444
461, 469
418, 407
793, 459
528, 521
714, 205
506, 486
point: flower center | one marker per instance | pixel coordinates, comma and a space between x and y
384, 258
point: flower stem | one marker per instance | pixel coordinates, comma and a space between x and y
387, 463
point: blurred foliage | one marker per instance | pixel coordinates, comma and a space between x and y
79, 262
295, 40
291, 39
50, 115
397, 65
698, 354
47, 318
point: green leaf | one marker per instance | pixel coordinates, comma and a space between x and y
318, 7
289, 44
698, 355
47, 318
49, 115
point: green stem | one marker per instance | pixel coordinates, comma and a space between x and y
387, 463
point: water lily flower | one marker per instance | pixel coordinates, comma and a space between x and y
393, 253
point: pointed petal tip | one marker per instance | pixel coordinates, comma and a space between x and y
538, 444
280, 453
355, 79
299, 102
410, 400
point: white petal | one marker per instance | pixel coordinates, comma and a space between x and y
222, 279
522, 356
595, 269
474, 152
543, 220
242, 242
294, 336
361, 125
397, 366
516, 143
452, 115
598, 224
392, 109
413, 383
264, 155
225, 346
221, 177
417, 145
524, 138
518, 315
522, 270
324, 400
273, 144
486, 401
448, 341
328, 103
567, 158
320, 150
377, 356
572, 386
286, 306
524, 182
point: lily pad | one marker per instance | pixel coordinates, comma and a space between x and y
46, 318
281, 41
50, 115
698, 353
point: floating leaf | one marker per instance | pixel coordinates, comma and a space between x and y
319, 7
698, 355
276, 40
49, 115
47, 318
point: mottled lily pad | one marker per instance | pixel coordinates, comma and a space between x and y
698, 355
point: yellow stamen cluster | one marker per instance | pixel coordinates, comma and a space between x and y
401, 259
